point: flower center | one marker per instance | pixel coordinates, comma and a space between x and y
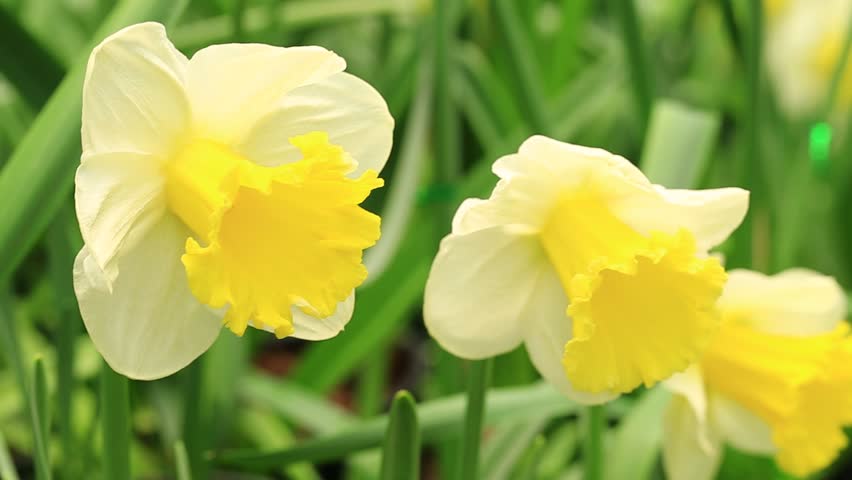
642, 305
800, 386
274, 239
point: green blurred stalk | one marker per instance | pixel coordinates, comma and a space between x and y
182, 469
371, 387
38, 177
730, 20
744, 254
641, 75
62, 248
40, 421
195, 415
7, 466
115, 423
479, 377
528, 75
447, 154
593, 461
529, 467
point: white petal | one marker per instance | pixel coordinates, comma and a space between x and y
711, 215
685, 455
149, 326
352, 112
535, 179
550, 153
118, 196
233, 86
478, 288
547, 329
312, 328
794, 302
133, 94
740, 427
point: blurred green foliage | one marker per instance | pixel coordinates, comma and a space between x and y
677, 86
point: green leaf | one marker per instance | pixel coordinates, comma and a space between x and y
37, 178
636, 443
401, 448
115, 423
7, 467
26, 63
680, 140
437, 420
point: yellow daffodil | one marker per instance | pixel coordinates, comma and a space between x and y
776, 379
225, 186
570, 224
803, 43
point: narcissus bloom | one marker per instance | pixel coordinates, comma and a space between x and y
804, 42
580, 226
225, 186
776, 379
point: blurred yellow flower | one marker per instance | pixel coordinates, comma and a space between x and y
776, 380
573, 223
222, 186
803, 43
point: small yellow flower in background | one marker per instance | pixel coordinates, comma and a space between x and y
222, 186
570, 222
776, 380
803, 43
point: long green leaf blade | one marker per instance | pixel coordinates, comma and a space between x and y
401, 450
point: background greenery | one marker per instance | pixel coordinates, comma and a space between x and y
678, 86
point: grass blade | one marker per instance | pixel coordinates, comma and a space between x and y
7, 466
401, 450
38, 176
115, 423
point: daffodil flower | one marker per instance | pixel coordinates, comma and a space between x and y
570, 224
776, 380
225, 186
804, 42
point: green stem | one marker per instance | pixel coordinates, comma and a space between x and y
641, 75
478, 379
115, 422
7, 466
40, 421
195, 430
593, 445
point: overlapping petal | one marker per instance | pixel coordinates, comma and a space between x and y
353, 113
148, 325
133, 94
478, 289
231, 87
795, 302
